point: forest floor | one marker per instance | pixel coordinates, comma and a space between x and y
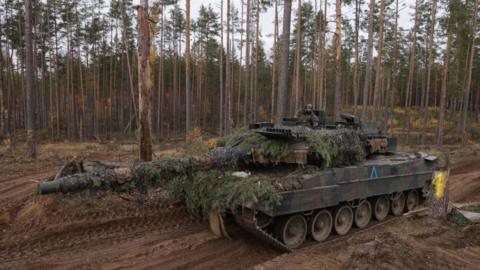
115, 231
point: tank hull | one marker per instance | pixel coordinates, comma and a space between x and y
341, 198
386, 175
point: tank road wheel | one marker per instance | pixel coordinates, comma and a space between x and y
363, 214
380, 207
412, 200
320, 226
292, 230
398, 204
343, 220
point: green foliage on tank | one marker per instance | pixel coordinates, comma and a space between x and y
336, 148
217, 190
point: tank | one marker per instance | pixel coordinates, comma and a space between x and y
330, 201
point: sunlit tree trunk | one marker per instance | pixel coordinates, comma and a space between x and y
144, 82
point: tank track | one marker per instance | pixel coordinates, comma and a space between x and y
252, 227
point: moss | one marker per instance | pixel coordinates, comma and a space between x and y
216, 190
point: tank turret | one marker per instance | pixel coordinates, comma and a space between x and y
349, 141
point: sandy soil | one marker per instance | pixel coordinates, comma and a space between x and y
115, 231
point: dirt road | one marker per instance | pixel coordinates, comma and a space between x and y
111, 231
53, 232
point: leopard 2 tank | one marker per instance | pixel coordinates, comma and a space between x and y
341, 194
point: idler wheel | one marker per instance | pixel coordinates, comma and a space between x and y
292, 230
343, 220
320, 226
412, 200
380, 207
398, 204
363, 214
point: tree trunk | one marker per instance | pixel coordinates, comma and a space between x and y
255, 79
368, 72
144, 82
161, 79
378, 69
411, 74
274, 64
356, 72
298, 48
284, 53
228, 83
129, 66
443, 93
466, 98
247, 66
222, 99
240, 71
337, 103
3, 129
429, 73
393, 87
30, 126
188, 102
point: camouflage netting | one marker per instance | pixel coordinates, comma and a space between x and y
336, 148
206, 182
331, 148
217, 190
